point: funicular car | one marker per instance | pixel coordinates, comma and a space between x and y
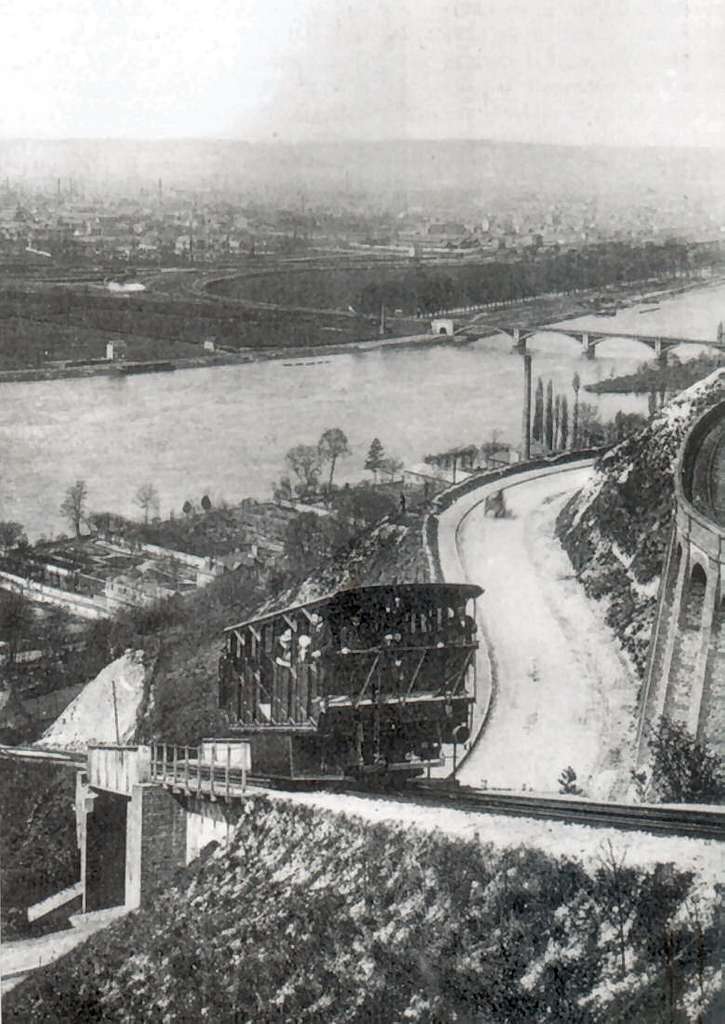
367, 681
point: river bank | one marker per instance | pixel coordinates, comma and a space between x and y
217, 359
537, 311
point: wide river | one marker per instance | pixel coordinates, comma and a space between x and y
225, 430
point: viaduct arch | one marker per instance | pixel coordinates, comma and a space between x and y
685, 676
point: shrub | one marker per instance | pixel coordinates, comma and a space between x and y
684, 770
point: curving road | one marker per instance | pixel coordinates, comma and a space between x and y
562, 693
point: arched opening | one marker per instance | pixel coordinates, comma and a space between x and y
692, 607
688, 643
443, 330
698, 577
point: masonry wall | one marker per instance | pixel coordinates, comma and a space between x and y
208, 822
156, 841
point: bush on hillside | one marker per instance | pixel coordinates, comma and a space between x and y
616, 530
311, 917
682, 769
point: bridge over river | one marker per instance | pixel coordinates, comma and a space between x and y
590, 337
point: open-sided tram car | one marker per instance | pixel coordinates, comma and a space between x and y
367, 681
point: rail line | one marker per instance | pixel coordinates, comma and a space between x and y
659, 819
668, 819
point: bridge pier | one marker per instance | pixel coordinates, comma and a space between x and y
588, 346
661, 352
519, 340
141, 815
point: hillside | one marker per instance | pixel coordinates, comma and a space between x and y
105, 709
616, 529
310, 916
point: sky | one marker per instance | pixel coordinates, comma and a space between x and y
624, 72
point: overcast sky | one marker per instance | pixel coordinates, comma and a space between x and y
589, 71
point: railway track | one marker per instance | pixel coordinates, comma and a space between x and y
659, 819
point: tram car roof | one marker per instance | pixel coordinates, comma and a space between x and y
343, 601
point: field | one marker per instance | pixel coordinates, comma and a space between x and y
54, 324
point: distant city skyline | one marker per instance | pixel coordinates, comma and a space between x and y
589, 72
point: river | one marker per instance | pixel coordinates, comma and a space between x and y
225, 430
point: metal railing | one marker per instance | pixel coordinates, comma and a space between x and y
215, 769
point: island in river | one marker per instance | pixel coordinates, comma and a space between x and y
656, 378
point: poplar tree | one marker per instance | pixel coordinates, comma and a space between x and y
537, 429
564, 424
549, 416
576, 384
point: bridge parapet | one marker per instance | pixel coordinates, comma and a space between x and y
117, 769
217, 768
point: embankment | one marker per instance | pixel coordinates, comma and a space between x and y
312, 916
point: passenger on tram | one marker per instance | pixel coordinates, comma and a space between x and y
351, 643
351, 638
321, 637
322, 650
284, 655
395, 618
466, 627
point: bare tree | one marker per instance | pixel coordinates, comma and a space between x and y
73, 507
304, 461
147, 499
332, 446
11, 534
617, 889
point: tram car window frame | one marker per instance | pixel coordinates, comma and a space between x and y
367, 681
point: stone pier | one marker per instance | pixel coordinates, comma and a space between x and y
140, 820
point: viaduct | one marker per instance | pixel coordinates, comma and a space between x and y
685, 676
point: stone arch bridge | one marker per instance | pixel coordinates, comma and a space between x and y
589, 338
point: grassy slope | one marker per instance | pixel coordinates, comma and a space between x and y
307, 916
616, 529
38, 850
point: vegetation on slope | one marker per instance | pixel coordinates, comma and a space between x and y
616, 529
307, 916
38, 849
